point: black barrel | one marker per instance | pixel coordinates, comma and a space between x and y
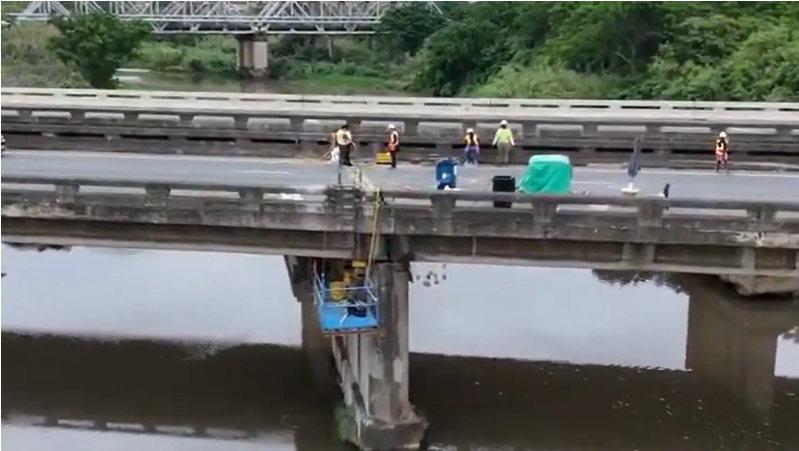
503, 184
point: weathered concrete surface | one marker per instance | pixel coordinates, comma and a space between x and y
193, 96
374, 373
753, 285
717, 237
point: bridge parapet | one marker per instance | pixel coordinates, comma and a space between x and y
593, 131
739, 237
416, 102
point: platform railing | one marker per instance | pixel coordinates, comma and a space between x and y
344, 301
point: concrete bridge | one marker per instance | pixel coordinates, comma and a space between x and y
288, 125
718, 236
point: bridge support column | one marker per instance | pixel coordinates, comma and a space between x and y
316, 346
735, 345
373, 372
253, 56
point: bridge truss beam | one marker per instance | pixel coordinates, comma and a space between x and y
226, 17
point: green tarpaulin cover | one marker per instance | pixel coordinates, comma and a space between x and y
547, 174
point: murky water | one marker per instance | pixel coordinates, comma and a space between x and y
205, 357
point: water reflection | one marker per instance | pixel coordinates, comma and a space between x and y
259, 393
567, 362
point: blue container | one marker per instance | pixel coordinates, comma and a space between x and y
446, 174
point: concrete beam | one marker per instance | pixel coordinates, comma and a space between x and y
748, 238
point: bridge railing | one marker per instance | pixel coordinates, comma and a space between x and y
442, 204
22, 110
490, 103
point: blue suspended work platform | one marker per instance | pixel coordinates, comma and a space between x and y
346, 306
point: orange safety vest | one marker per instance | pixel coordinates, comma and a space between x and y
472, 140
393, 141
721, 148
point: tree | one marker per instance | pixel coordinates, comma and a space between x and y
96, 45
405, 27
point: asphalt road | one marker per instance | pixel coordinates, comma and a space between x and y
316, 174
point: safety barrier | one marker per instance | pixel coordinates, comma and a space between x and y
416, 102
610, 232
441, 203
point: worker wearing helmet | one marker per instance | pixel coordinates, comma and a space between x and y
472, 149
393, 144
722, 149
345, 144
503, 141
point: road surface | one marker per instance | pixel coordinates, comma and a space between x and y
316, 174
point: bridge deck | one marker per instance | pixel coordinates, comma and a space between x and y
705, 185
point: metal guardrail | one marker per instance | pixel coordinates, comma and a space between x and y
490, 103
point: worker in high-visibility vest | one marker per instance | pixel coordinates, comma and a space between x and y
722, 151
472, 149
345, 145
503, 141
392, 147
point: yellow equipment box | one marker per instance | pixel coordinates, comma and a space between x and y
383, 158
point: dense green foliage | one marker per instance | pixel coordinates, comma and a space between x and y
96, 45
635, 50
669, 50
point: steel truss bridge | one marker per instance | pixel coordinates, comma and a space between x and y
220, 17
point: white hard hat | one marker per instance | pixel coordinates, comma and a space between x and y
504, 122
391, 127
469, 130
723, 134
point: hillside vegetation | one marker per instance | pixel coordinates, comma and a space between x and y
616, 50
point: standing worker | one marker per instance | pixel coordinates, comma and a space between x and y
345, 145
503, 141
722, 148
393, 144
472, 147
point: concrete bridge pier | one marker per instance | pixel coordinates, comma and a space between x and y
734, 344
373, 373
253, 56
317, 348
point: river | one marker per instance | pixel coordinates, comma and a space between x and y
173, 351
